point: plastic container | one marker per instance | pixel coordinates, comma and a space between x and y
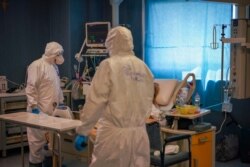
197, 100
182, 96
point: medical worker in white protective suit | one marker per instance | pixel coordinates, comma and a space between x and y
120, 98
43, 94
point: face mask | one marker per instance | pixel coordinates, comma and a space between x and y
59, 60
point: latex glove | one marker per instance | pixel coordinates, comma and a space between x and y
35, 111
80, 142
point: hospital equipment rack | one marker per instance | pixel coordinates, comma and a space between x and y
48, 123
10, 133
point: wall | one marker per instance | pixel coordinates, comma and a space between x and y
133, 18
59, 26
23, 30
26, 26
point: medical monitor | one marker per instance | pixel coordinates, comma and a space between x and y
96, 33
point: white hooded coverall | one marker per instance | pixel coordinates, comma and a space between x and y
120, 97
42, 91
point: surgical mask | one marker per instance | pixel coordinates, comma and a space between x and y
59, 60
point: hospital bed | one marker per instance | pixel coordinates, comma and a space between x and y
170, 90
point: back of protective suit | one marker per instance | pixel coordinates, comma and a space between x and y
120, 97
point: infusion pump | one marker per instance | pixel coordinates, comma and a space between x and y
240, 58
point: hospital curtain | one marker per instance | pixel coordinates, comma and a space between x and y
178, 37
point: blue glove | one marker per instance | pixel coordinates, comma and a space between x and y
62, 106
35, 111
80, 142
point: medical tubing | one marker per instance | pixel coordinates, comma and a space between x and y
225, 118
227, 82
85, 70
93, 62
78, 70
80, 52
75, 69
213, 105
84, 42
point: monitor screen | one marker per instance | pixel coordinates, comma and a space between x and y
96, 33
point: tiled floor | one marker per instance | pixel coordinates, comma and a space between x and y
13, 159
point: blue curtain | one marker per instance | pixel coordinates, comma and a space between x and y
178, 37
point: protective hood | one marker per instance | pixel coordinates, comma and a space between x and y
119, 41
59, 60
53, 53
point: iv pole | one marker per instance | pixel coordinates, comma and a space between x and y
226, 88
222, 57
222, 50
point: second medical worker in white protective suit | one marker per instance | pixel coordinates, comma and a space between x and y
43, 93
120, 97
